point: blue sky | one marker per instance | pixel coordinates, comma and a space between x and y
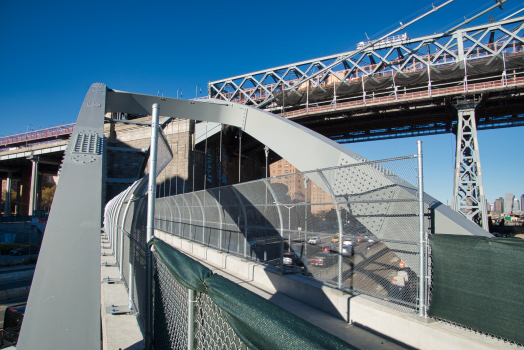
53, 51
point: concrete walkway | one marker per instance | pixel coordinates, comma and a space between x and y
119, 332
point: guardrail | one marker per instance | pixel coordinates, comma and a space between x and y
36, 135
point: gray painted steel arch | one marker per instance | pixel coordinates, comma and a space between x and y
76, 214
308, 150
66, 284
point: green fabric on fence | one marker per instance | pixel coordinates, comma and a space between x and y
259, 323
263, 325
186, 271
478, 282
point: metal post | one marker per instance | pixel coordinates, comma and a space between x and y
150, 221
7, 203
306, 180
422, 269
34, 186
395, 86
335, 92
220, 155
191, 299
275, 198
239, 153
177, 155
205, 161
194, 153
504, 74
307, 97
340, 227
363, 90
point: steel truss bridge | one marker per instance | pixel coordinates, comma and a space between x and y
459, 81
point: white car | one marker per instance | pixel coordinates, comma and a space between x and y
314, 240
347, 243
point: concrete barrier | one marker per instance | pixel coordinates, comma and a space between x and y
409, 329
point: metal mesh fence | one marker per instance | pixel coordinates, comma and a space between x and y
210, 329
355, 227
171, 310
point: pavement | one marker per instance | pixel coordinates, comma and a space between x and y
119, 331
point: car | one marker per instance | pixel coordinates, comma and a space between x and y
292, 259
347, 251
347, 243
314, 240
24, 250
13, 318
328, 248
323, 259
335, 238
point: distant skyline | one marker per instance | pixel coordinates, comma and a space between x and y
53, 52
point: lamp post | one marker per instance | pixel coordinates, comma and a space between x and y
289, 222
177, 92
196, 91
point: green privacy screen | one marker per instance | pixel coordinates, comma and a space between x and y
259, 323
478, 283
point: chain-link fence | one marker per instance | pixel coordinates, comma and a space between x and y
125, 222
355, 227
177, 307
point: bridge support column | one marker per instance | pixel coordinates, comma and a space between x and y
468, 190
34, 186
8, 185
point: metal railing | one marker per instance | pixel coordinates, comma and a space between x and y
355, 227
176, 316
32, 136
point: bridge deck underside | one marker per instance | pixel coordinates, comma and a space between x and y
431, 115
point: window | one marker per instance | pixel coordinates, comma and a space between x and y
280, 166
274, 171
287, 165
287, 171
279, 171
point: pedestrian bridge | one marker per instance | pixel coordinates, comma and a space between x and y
378, 210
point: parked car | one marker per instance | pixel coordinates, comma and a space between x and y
323, 259
25, 250
13, 318
314, 240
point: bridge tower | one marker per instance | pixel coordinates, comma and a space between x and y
468, 190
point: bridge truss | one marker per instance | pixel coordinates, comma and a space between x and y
401, 87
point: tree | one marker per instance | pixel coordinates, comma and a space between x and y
48, 193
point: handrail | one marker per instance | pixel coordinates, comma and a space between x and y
38, 134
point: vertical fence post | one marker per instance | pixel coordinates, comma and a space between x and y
340, 227
150, 221
190, 319
422, 267
275, 199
